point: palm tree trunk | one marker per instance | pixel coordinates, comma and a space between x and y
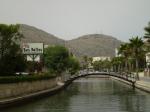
126, 65
130, 67
137, 68
119, 68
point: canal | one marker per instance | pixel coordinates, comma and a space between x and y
91, 95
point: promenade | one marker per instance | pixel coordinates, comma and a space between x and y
143, 83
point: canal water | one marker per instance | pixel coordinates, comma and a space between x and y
91, 95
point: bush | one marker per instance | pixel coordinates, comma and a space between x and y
29, 78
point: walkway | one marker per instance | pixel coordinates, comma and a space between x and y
144, 83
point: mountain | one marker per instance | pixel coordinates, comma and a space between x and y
35, 35
93, 45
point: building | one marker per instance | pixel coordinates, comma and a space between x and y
116, 53
148, 59
102, 58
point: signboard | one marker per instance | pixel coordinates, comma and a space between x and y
32, 48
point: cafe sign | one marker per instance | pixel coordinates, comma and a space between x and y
32, 48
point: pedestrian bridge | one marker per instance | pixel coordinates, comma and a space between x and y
129, 77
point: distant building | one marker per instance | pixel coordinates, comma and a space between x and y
116, 53
102, 58
148, 59
147, 69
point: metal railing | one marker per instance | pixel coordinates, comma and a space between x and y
129, 77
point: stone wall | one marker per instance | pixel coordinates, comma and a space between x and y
23, 88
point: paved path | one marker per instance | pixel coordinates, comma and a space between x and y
143, 83
146, 79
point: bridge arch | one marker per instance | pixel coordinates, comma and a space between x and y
126, 77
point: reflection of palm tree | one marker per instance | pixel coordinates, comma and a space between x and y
136, 45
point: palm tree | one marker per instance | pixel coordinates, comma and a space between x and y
147, 34
147, 43
147, 37
136, 45
117, 63
125, 52
85, 62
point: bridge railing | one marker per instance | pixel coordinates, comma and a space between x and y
125, 75
130, 77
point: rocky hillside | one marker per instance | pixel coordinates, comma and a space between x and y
90, 45
32, 34
94, 45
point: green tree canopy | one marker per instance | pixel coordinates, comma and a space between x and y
147, 37
73, 65
136, 46
11, 58
147, 34
56, 59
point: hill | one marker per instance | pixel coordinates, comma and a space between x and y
94, 45
35, 35
91, 45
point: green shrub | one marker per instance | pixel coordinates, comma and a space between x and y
29, 78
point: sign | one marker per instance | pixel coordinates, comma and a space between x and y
32, 48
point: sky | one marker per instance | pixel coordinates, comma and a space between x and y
68, 19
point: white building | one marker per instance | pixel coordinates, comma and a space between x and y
148, 59
116, 53
102, 58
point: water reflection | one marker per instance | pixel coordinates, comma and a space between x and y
92, 95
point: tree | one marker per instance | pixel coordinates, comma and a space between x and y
106, 64
97, 65
136, 45
147, 34
73, 65
118, 63
11, 58
102, 65
59, 60
85, 62
56, 59
125, 52
147, 37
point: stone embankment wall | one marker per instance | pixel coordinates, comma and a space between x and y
23, 88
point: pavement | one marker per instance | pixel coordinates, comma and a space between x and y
146, 79
143, 83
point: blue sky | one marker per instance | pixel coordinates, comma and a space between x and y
69, 19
